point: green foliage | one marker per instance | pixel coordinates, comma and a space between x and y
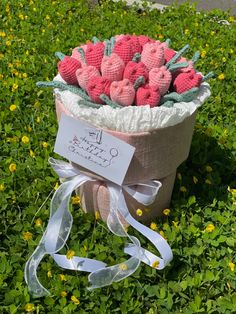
201, 226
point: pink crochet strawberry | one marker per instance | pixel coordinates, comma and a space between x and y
94, 54
123, 48
85, 73
112, 67
147, 95
160, 77
76, 54
186, 81
67, 69
153, 55
97, 86
122, 92
134, 70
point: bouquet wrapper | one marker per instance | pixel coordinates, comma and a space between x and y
157, 155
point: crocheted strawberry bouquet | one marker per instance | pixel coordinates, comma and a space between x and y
139, 90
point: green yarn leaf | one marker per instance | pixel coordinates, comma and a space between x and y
95, 40
177, 56
208, 76
136, 57
175, 66
82, 54
63, 86
60, 55
185, 97
109, 102
140, 81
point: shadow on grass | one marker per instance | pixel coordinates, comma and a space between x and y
200, 181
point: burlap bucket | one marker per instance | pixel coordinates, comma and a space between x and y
158, 154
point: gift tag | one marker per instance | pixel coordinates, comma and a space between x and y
93, 149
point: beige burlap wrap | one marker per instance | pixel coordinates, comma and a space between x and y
157, 155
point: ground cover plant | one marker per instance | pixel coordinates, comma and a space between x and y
200, 223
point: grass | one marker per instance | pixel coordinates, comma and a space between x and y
201, 225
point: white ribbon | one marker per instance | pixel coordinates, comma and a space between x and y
60, 223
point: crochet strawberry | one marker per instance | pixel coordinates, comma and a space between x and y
133, 70
123, 48
77, 55
67, 68
122, 92
160, 77
112, 67
147, 95
144, 40
85, 73
169, 54
186, 81
153, 55
94, 54
96, 86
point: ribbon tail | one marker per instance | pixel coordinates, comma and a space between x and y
118, 272
30, 273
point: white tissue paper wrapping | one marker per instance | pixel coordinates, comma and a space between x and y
131, 119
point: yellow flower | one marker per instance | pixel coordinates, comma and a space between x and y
97, 215
25, 75
212, 33
29, 307
75, 200
75, 300
231, 19
175, 223
38, 222
139, 212
207, 181
195, 180
231, 51
82, 30
231, 266
166, 211
70, 254
2, 34
12, 107
153, 226
203, 54
14, 87
221, 76
161, 36
183, 189
27, 235
210, 228
2, 187
25, 139
12, 167
162, 234
62, 277
49, 274
208, 168
224, 59
63, 294
38, 119
123, 267
155, 264
186, 31
179, 176
56, 186
32, 154
47, 17
45, 144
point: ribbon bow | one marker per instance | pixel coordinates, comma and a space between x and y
60, 223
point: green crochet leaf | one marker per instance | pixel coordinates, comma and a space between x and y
83, 102
109, 102
177, 56
140, 81
60, 55
185, 97
63, 86
82, 54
